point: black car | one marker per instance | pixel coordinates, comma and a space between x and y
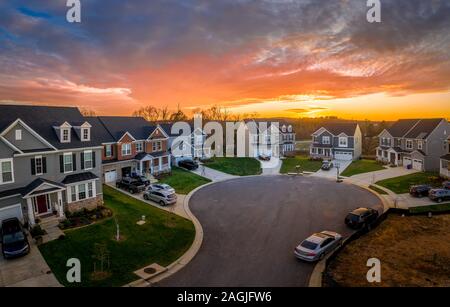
327, 165
131, 185
264, 157
446, 185
14, 239
188, 164
420, 190
142, 179
361, 218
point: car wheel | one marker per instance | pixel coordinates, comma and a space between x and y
131, 191
439, 200
369, 227
145, 197
321, 256
162, 203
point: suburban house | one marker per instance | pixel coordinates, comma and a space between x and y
49, 162
414, 143
279, 138
193, 146
445, 162
340, 141
131, 145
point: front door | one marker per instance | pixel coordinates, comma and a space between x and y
393, 156
41, 202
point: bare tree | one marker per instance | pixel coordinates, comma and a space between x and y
150, 113
164, 113
178, 115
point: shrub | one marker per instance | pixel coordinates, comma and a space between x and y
37, 231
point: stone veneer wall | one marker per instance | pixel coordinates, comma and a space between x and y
89, 204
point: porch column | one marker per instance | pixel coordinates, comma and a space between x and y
169, 159
60, 204
141, 168
160, 163
31, 220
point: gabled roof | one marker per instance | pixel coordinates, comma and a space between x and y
29, 189
118, 126
42, 119
99, 130
80, 177
446, 157
401, 127
348, 129
423, 128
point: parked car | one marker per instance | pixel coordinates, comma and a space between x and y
439, 195
361, 218
327, 165
161, 187
131, 185
420, 190
161, 197
264, 157
14, 239
142, 179
446, 185
317, 246
188, 164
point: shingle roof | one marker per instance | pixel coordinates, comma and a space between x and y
423, 128
100, 131
338, 128
38, 182
446, 157
79, 177
42, 119
401, 127
117, 126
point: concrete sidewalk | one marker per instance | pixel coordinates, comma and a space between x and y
271, 167
372, 177
212, 174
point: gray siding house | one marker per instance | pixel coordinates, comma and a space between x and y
415, 143
445, 162
50, 163
340, 141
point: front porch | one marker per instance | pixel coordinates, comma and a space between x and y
390, 156
321, 153
150, 165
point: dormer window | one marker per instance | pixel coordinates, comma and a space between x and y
290, 128
65, 135
283, 128
85, 134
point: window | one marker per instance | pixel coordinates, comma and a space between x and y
18, 135
343, 142
85, 134
139, 147
90, 190
87, 159
108, 151
6, 171
420, 145
81, 191
65, 135
157, 146
38, 165
409, 144
73, 193
326, 140
68, 163
126, 149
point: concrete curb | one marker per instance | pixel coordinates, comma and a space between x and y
315, 280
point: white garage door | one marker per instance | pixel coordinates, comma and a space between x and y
10, 212
345, 156
407, 162
418, 165
110, 176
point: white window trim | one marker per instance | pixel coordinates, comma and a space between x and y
88, 153
68, 135
125, 152
158, 148
77, 192
18, 134
64, 162
141, 144
409, 142
341, 138
420, 144
106, 151
88, 134
326, 140
1, 171
35, 166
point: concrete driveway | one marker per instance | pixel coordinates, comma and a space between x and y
28, 271
251, 226
212, 174
390, 172
271, 167
332, 173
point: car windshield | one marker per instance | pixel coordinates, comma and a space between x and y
13, 237
353, 217
309, 245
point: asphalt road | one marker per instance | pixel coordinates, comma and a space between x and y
252, 225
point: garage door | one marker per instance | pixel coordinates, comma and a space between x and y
345, 156
110, 176
407, 162
10, 212
418, 165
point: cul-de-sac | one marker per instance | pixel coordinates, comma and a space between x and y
199, 146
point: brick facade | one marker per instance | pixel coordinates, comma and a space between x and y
89, 204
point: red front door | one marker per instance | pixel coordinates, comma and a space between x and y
41, 202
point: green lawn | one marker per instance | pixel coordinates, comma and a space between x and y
289, 165
401, 185
235, 166
163, 239
362, 166
184, 181
433, 208
378, 190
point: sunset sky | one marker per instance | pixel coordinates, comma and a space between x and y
274, 57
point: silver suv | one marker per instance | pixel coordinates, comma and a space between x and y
161, 197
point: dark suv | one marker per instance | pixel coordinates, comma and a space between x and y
420, 190
439, 195
14, 239
142, 179
131, 185
361, 218
188, 164
446, 185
